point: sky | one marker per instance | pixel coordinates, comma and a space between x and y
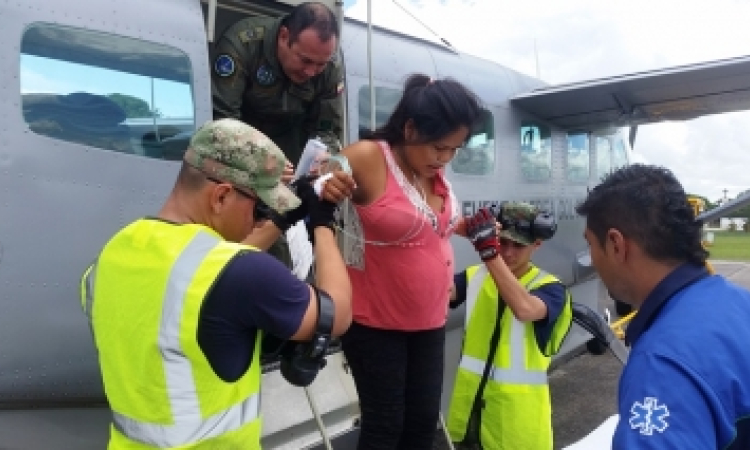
45, 75
578, 40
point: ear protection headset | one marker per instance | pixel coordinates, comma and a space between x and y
301, 363
541, 226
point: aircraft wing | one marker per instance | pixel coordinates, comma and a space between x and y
677, 93
727, 208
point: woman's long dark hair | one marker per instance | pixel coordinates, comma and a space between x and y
437, 108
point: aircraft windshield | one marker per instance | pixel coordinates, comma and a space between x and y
603, 157
536, 152
578, 166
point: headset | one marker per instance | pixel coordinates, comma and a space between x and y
542, 225
301, 361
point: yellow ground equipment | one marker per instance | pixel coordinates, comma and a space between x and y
698, 205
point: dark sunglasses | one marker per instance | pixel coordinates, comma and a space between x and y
505, 242
261, 211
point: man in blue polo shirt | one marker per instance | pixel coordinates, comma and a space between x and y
687, 382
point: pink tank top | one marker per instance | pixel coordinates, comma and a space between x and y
408, 270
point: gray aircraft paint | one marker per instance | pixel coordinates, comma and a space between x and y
60, 201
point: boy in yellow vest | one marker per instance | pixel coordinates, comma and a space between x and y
517, 316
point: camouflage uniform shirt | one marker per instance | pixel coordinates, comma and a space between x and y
249, 84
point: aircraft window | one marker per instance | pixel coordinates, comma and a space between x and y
106, 91
477, 157
603, 157
385, 102
578, 166
619, 153
536, 152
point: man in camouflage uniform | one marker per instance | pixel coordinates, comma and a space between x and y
280, 76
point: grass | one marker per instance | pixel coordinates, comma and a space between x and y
730, 246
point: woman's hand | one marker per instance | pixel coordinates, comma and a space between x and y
338, 187
460, 228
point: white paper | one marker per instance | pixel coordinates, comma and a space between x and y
300, 250
315, 151
599, 439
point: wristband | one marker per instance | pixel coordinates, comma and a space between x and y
318, 184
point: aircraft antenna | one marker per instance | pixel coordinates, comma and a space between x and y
536, 55
425, 25
369, 65
211, 20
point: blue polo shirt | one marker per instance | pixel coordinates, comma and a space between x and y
687, 381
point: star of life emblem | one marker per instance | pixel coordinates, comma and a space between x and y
649, 416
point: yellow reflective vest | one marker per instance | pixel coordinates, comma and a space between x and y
516, 412
143, 296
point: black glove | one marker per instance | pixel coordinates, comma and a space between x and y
321, 213
285, 221
481, 231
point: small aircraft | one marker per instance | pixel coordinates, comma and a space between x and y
100, 98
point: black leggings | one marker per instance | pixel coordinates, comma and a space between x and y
399, 376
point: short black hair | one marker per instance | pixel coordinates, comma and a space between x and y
647, 204
190, 178
311, 15
437, 108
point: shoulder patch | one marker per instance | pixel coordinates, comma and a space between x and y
224, 65
340, 87
265, 76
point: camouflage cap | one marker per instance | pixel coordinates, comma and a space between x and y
234, 152
517, 220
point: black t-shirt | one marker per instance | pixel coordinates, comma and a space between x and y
552, 294
255, 291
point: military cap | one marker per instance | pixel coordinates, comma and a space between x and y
517, 219
236, 153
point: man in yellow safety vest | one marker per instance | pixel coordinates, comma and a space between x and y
178, 306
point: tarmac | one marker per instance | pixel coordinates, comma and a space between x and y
584, 389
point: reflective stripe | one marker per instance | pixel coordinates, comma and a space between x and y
90, 278
472, 292
181, 390
189, 430
189, 424
510, 376
517, 372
